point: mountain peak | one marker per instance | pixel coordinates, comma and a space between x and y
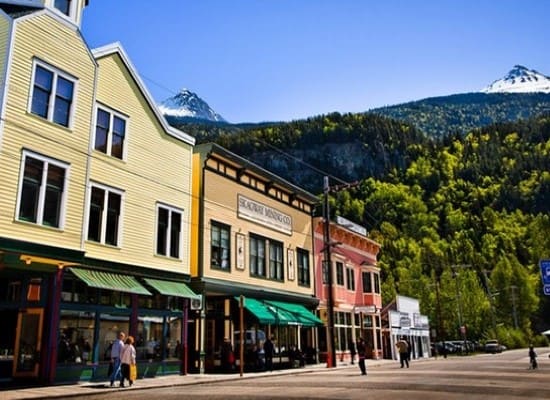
190, 105
520, 80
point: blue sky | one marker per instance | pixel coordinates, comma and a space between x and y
280, 60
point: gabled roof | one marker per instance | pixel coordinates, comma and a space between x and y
116, 48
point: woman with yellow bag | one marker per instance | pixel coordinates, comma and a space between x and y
128, 362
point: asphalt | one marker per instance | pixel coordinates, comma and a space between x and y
83, 389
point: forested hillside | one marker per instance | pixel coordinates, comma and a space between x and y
462, 220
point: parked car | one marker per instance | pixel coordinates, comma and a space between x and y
493, 346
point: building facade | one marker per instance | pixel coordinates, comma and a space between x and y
355, 286
252, 263
96, 206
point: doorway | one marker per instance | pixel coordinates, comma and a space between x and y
26, 361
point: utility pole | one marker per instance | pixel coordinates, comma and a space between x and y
461, 328
331, 351
327, 262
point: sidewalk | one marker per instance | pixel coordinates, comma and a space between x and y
91, 388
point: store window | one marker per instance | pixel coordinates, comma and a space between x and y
109, 327
76, 337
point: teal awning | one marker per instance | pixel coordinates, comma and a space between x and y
259, 310
280, 313
302, 315
106, 280
171, 288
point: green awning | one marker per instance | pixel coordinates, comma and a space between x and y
171, 288
302, 315
272, 313
259, 310
106, 280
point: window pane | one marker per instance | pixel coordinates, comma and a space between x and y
119, 130
41, 92
102, 130
175, 234
113, 212
96, 213
63, 101
30, 193
162, 231
54, 195
63, 5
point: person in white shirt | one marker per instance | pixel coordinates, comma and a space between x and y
116, 348
127, 359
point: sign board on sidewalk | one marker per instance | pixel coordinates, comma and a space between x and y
545, 273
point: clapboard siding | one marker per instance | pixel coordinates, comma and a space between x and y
157, 168
23, 130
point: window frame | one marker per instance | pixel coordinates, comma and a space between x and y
304, 269
105, 214
350, 278
339, 273
255, 259
41, 200
110, 134
276, 262
222, 228
168, 234
366, 279
53, 95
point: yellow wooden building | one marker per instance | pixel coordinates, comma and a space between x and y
95, 208
252, 263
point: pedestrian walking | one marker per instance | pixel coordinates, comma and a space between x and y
268, 353
352, 351
128, 362
403, 349
532, 358
362, 354
116, 349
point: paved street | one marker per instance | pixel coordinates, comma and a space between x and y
500, 376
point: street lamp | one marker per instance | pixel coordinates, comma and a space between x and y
331, 351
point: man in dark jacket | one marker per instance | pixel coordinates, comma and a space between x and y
362, 353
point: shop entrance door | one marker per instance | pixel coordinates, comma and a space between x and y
27, 343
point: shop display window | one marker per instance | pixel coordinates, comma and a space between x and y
76, 337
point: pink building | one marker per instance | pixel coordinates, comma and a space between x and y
356, 296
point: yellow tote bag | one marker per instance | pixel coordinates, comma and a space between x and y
133, 372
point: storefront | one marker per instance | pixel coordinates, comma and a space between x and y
59, 321
405, 321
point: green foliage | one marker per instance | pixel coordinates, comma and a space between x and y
480, 200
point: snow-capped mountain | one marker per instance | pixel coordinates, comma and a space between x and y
187, 104
520, 80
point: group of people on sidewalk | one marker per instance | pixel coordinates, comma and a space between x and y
123, 360
402, 345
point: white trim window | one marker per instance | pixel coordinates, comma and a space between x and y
169, 222
43, 188
104, 215
67, 7
350, 278
304, 278
110, 132
52, 94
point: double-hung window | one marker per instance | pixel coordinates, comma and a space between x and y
220, 250
367, 282
104, 218
168, 231
303, 267
257, 256
339, 273
52, 94
42, 195
350, 278
276, 266
64, 6
110, 133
